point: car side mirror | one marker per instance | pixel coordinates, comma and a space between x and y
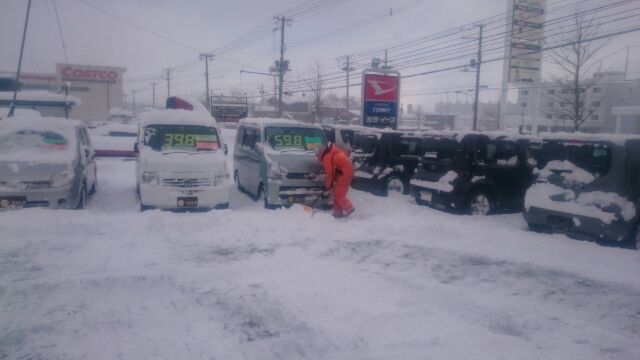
225, 148
135, 148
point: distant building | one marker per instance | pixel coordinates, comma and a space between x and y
488, 114
615, 99
99, 88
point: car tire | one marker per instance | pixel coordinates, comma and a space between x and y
394, 183
222, 206
144, 207
94, 187
262, 196
82, 202
480, 203
236, 179
537, 228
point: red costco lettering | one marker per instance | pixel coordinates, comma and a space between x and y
66, 71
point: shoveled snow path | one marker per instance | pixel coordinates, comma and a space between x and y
395, 281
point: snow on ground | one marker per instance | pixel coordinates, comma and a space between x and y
396, 281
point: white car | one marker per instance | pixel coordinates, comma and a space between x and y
182, 162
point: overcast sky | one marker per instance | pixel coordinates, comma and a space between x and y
93, 37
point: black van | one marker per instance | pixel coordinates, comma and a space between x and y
477, 173
385, 160
588, 186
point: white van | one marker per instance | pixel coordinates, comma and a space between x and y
182, 161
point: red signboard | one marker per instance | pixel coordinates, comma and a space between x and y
381, 87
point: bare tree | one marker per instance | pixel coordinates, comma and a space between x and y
567, 98
315, 85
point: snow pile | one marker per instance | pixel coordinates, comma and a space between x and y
512, 161
571, 173
597, 204
444, 184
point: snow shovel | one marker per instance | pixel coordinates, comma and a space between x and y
311, 208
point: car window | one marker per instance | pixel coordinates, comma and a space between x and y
439, 150
494, 152
330, 134
347, 136
407, 147
249, 138
594, 157
364, 144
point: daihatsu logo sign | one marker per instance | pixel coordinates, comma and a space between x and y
381, 88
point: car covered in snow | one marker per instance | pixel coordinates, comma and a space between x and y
588, 185
385, 160
473, 172
45, 162
275, 161
115, 140
182, 162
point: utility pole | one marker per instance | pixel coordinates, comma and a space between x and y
348, 69
478, 64
108, 97
207, 57
281, 67
17, 85
153, 94
386, 63
168, 78
133, 92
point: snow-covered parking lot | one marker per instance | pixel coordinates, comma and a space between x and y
395, 281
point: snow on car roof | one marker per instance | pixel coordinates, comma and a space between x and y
177, 117
618, 139
40, 95
15, 123
262, 122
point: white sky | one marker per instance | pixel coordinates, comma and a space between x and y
98, 39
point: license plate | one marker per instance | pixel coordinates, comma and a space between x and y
187, 202
426, 196
296, 199
13, 201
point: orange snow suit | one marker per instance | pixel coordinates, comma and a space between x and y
339, 170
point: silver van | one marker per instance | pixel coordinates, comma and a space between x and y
45, 162
275, 162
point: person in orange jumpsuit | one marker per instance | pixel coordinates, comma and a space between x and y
339, 172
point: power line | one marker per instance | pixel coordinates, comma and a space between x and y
64, 46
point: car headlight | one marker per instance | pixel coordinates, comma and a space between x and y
276, 171
150, 178
62, 178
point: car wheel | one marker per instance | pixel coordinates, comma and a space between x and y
480, 203
396, 184
82, 202
94, 187
262, 196
236, 179
144, 207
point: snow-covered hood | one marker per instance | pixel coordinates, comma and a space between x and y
17, 171
178, 161
296, 162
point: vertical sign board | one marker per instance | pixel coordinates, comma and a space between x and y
527, 36
380, 97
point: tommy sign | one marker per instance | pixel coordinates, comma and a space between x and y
380, 97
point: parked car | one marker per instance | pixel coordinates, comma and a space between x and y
589, 186
45, 162
342, 135
385, 160
477, 173
115, 140
275, 161
182, 162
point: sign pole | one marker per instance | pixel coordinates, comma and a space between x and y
24, 35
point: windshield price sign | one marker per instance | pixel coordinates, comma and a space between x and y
380, 96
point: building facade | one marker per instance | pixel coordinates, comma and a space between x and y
99, 88
544, 109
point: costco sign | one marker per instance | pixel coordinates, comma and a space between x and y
380, 96
88, 74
